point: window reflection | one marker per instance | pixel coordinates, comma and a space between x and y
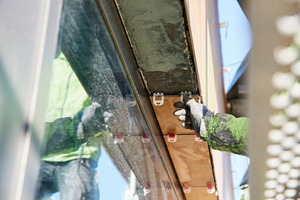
76, 127
90, 105
73, 131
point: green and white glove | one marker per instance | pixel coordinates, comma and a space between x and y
192, 114
93, 121
222, 132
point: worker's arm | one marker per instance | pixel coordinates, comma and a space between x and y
221, 131
66, 133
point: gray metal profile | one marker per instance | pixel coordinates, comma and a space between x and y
28, 35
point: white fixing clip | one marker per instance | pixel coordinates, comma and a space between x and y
210, 188
197, 138
184, 94
119, 138
158, 102
172, 137
186, 187
130, 100
146, 189
168, 187
145, 138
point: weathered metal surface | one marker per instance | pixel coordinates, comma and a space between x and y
158, 34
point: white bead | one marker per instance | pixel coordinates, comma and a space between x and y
295, 162
283, 80
293, 110
290, 127
293, 183
287, 25
269, 193
296, 149
280, 188
282, 178
274, 150
286, 156
280, 101
294, 173
273, 162
288, 142
286, 55
284, 168
295, 68
294, 91
280, 197
290, 192
277, 120
276, 135
270, 184
271, 174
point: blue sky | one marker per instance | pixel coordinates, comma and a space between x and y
112, 185
236, 37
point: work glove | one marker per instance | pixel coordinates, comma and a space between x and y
89, 112
93, 121
192, 114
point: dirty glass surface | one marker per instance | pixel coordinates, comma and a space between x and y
96, 142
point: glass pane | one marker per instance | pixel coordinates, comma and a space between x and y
96, 140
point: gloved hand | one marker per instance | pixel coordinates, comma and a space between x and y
222, 132
89, 112
192, 114
93, 121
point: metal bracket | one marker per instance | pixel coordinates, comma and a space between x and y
210, 188
119, 138
186, 187
146, 188
183, 94
130, 100
172, 137
145, 138
168, 187
197, 138
158, 102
